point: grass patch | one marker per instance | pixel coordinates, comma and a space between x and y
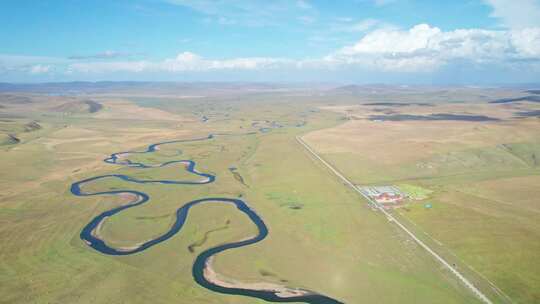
415, 192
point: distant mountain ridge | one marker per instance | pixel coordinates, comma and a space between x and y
82, 87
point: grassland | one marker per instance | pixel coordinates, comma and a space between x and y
322, 236
482, 177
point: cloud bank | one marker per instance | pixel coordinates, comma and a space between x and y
516, 14
422, 48
183, 62
426, 48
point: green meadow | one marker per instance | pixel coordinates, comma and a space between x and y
480, 180
322, 236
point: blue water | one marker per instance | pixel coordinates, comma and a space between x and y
181, 215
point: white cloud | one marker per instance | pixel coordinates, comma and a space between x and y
34, 65
40, 69
516, 14
366, 25
425, 48
188, 61
106, 55
248, 12
109, 67
527, 42
422, 48
349, 25
303, 4
14, 61
183, 62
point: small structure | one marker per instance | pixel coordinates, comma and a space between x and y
384, 194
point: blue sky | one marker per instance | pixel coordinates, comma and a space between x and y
366, 41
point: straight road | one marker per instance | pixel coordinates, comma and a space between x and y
392, 219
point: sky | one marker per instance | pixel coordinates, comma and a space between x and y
356, 41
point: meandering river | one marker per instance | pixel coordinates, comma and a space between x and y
202, 261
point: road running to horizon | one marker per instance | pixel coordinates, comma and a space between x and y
392, 219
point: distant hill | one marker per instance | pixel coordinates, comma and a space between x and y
354, 89
78, 107
16, 126
14, 99
64, 87
349, 89
431, 117
32, 126
144, 87
531, 98
8, 139
10, 129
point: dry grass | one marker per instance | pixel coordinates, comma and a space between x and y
393, 143
484, 176
123, 109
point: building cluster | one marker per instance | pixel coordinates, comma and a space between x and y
384, 194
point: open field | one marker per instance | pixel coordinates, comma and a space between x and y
322, 236
483, 208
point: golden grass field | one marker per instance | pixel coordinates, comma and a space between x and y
323, 236
483, 175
